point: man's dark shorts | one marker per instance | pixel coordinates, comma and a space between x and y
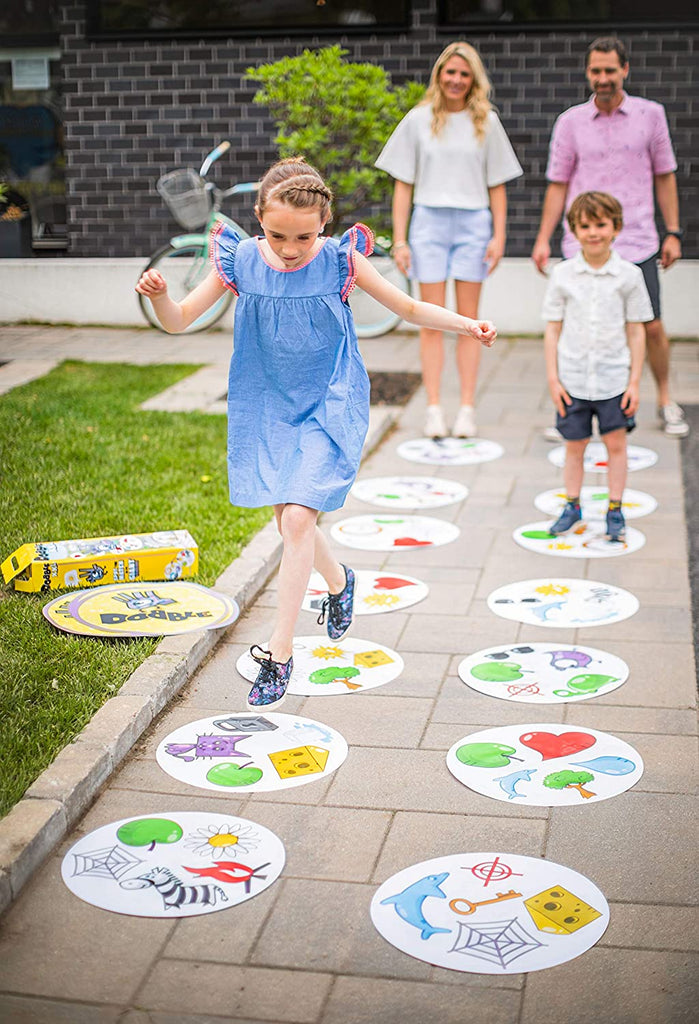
649, 269
576, 425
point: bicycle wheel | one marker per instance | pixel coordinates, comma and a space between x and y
184, 268
371, 319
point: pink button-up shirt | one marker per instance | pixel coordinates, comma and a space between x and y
617, 153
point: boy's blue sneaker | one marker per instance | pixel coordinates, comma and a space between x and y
616, 525
272, 680
570, 515
338, 608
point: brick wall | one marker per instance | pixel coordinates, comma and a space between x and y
136, 109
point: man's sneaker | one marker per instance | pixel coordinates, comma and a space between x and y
465, 423
435, 427
552, 434
570, 515
616, 525
672, 418
338, 608
272, 680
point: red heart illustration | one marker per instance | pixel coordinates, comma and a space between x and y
406, 542
392, 582
549, 745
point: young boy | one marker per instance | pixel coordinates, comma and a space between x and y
596, 305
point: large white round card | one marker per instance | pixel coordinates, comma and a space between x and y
543, 673
330, 667
545, 765
596, 457
490, 913
450, 451
594, 502
585, 540
405, 493
173, 864
375, 592
251, 753
558, 602
393, 533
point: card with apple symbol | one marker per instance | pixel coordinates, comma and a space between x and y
246, 752
545, 765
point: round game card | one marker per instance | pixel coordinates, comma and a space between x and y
543, 673
330, 667
594, 501
596, 457
405, 493
585, 540
393, 533
450, 451
251, 752
567, 603
375, 592
490, 913
174, 864
545, 765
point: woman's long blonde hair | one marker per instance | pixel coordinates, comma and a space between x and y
478, 98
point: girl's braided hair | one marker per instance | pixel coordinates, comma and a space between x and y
294, 183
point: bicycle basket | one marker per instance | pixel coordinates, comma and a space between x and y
186, 196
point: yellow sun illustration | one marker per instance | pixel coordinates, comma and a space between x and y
560, 546
328, 653
549, 589
385, 600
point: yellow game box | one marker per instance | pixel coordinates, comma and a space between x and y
55, 565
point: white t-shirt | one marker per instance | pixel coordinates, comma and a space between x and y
595, 304
453, 169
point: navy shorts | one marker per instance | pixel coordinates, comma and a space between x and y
576, 425
649, 269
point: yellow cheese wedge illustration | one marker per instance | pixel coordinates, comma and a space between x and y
299, 761
372, 659
559, 912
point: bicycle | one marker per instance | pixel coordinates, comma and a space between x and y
184, 262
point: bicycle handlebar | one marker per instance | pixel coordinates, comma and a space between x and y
214, 155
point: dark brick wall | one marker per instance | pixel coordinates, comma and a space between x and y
137, 109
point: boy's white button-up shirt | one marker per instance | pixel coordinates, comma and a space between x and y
595, 304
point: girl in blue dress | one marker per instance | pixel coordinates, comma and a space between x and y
298, 395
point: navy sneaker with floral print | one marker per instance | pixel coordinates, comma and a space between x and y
272, 680
338, 608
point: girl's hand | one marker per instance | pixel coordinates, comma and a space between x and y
494, 253
401, 256
482, 330
151, 284
560, 396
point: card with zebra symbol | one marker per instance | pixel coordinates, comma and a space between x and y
173, 864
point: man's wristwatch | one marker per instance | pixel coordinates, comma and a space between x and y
675, 234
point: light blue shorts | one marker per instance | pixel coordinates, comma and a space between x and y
447, 243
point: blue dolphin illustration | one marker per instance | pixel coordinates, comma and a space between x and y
408, 903
508, 782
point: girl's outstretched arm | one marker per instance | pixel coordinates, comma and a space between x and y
177, 316
424, 314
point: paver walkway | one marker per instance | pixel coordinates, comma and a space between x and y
305, 950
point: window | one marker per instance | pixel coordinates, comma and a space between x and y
29, 23
154, 18
470, 14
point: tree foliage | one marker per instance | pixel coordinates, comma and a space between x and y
338, 116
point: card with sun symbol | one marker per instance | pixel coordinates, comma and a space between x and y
375, 592
596, 457
585, 540
248, 753
324, 667
594, 501
173, 864
566, 603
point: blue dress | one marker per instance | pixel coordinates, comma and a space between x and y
298, 392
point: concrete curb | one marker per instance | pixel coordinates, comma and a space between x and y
64, 791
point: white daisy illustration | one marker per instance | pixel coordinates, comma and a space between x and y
222, 841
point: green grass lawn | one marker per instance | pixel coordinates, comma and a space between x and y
78, 459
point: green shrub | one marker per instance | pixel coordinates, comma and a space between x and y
337, 115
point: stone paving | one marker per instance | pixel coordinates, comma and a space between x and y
305, 950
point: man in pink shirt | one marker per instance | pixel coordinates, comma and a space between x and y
620, 144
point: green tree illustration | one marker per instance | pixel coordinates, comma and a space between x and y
570, 780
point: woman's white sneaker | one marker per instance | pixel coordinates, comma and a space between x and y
672, 418
435, 427
465, 423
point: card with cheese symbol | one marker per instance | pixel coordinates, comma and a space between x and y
559, 912
299, 761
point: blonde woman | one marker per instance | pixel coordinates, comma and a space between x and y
450, 157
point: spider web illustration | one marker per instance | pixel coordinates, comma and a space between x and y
499, 942
111, 862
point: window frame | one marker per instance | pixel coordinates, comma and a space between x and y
614, 25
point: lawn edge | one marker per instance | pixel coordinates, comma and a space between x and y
64, 791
